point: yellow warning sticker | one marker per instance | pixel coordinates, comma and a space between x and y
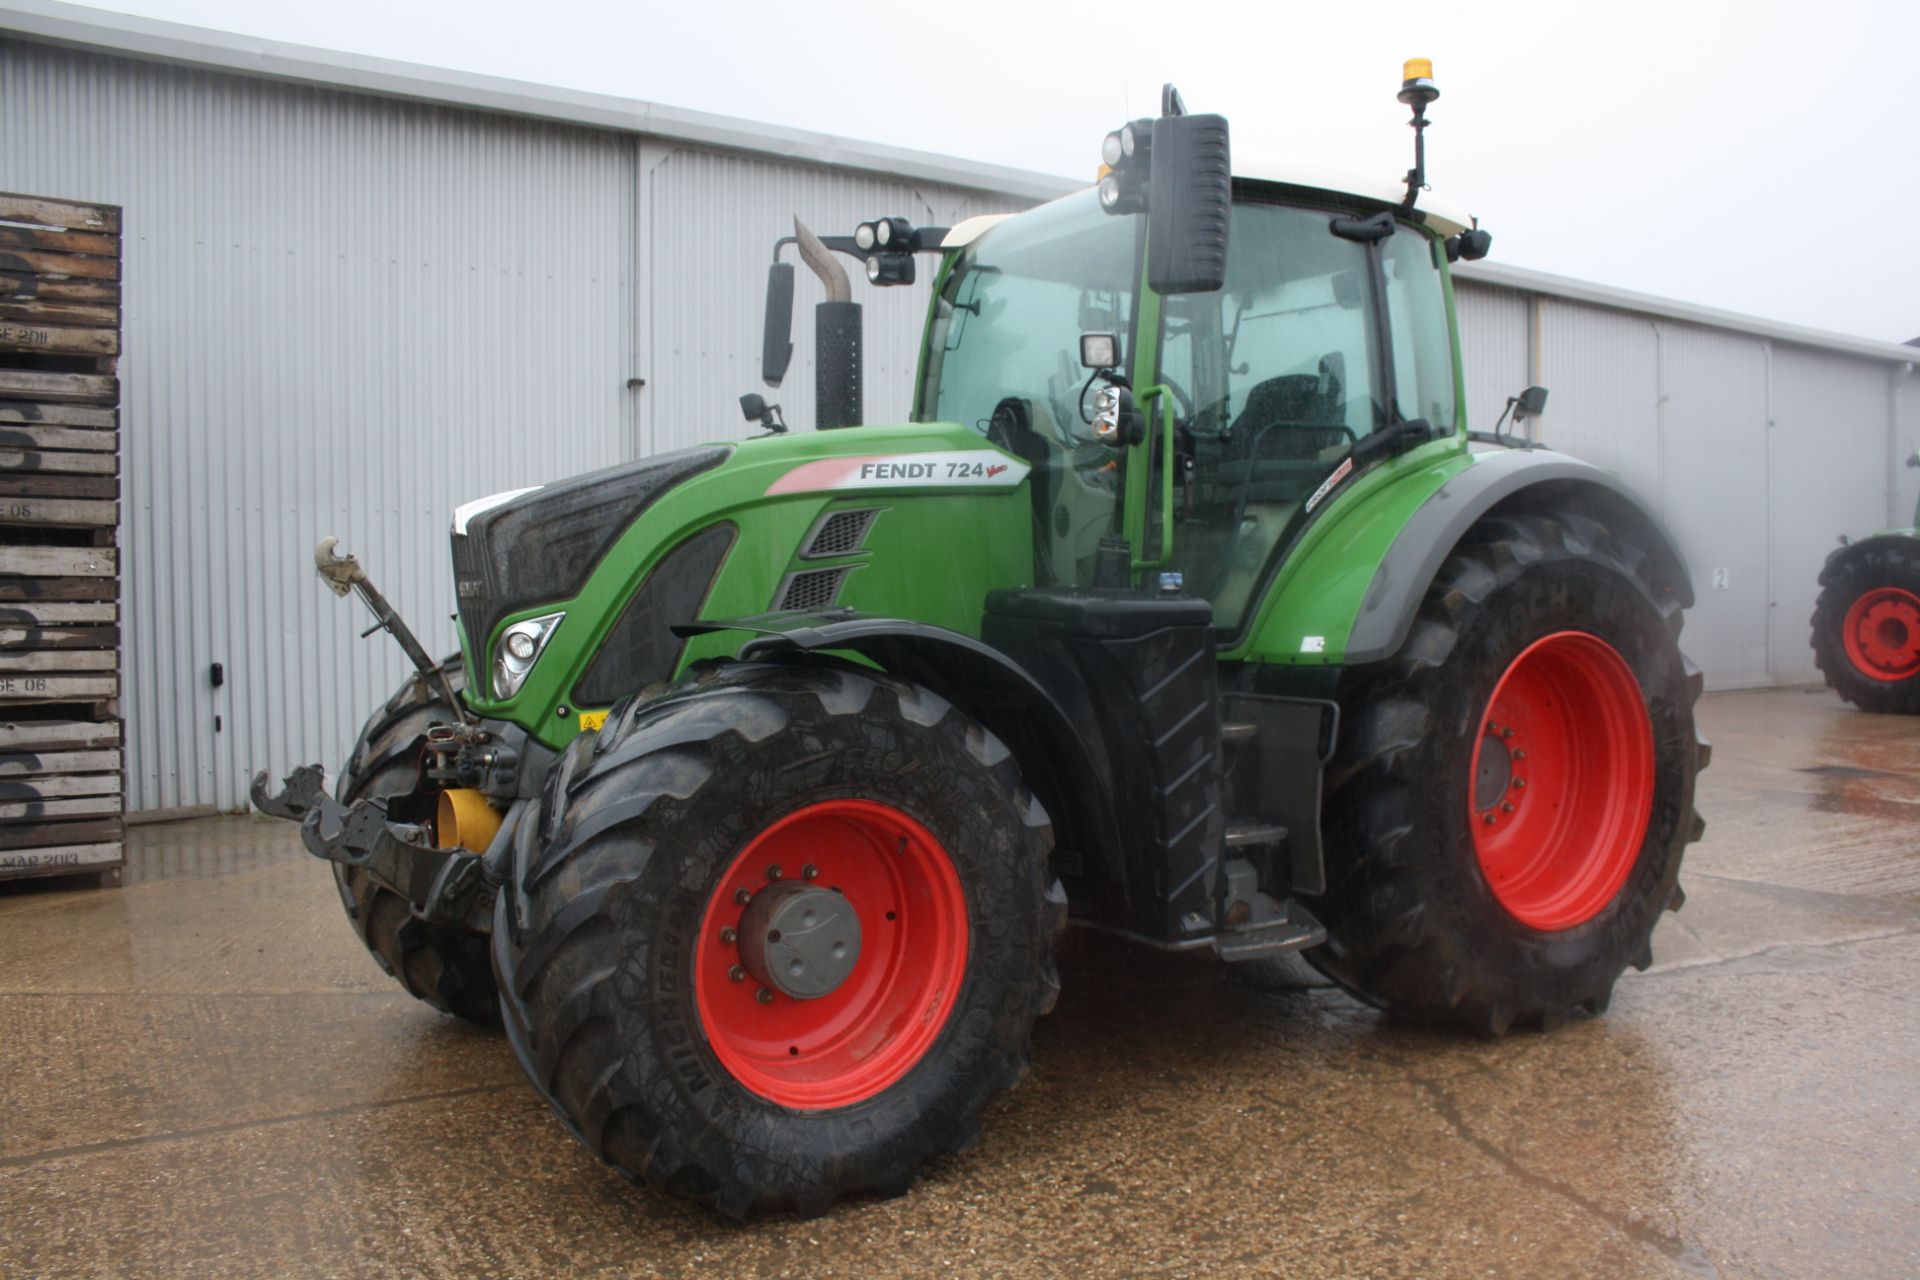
592, 720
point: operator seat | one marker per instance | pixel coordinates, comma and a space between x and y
1294, 416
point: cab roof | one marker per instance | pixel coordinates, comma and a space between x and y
1287, 171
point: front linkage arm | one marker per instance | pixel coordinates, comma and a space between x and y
343, 574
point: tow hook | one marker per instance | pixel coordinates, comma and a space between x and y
444, 886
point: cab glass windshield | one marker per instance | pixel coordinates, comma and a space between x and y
1009, 317
1003, 356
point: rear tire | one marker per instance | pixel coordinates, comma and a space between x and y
447, 967
1455, 894
1866, 624
616, 943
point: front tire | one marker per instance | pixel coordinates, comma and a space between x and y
447, 967
682, 1057
1866, 624
1514, 789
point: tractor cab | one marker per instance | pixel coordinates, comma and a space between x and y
1326, 347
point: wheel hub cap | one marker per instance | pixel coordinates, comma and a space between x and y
1562, 782
800, 940
1882, 634
831, 954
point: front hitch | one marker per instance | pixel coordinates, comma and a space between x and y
444, 886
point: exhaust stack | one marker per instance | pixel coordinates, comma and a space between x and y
836, 327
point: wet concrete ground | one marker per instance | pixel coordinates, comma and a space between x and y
203, 1074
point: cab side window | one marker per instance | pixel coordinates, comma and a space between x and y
1417, 324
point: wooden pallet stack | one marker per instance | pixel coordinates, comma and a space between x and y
61, 791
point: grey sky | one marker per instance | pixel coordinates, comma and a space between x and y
1755, 156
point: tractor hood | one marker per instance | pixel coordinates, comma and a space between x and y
528, 546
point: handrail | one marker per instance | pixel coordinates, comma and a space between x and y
1164, 393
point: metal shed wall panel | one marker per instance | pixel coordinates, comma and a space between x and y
1714, 429
1829, 465
708, 223
1493, 349
344, 315
1602, 370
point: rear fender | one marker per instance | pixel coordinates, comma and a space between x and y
1369, 624
1513, 481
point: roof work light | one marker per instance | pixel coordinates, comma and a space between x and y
890, 268
1124, 164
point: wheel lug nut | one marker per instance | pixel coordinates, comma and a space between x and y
1519, 784
737, 974
743, 896
809, 872
773, 872
765, 996
1489, 819
1507, 732
727, 936
1518, 754
1506, 808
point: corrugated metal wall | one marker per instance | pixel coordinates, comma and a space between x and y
1493, 349
1758, 454
343, 315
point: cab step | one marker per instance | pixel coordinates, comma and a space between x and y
1296, 932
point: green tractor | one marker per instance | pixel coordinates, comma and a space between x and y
1866, 622
1184, 607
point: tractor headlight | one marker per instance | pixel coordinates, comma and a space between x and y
519, 649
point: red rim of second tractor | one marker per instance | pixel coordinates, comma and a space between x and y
1882, 634
853, 1043
1563, 781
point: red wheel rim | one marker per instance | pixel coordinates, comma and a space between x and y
852, 1043
1882, 634
1563, 781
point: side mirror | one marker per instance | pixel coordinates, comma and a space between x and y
1189, 204
754, 407
776, 344
1530, 403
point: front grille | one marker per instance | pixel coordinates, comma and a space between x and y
543, 547
838, 534
470, 593
810, 589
